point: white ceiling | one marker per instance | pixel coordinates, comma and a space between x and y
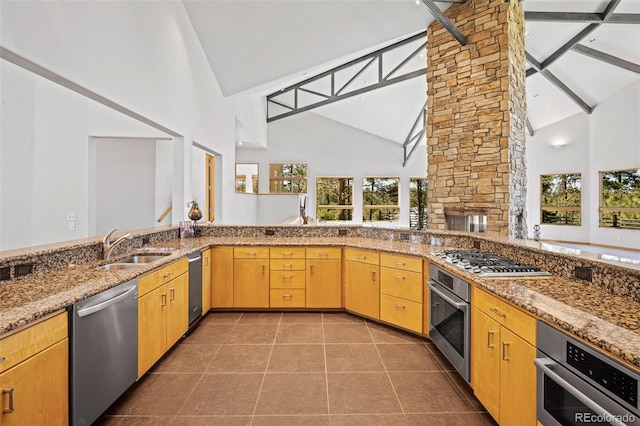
257, 47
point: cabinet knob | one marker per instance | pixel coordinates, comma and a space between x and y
10, 392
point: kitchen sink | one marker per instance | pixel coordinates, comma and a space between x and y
117, 266
143, 258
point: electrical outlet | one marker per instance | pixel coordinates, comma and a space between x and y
404, 236
476, 245
24, 269
145, 240
342, 232
71, 217
583, 273
270, 232
72, 226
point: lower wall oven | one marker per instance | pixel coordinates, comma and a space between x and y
449, 323
577, 385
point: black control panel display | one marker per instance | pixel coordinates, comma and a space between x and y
446, 280
609, 377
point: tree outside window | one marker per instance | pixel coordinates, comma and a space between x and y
620, 199
418, 203
334, 199
380, 199
561, 196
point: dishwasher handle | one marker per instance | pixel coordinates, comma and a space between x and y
103, 305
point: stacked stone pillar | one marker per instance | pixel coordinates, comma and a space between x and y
476, 116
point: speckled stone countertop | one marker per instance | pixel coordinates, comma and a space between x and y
608, 321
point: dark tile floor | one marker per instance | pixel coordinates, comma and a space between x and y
299, 369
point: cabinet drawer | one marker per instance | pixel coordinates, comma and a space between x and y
287, 298
402, 312
251, 252
506, 314
284, 279
287, 252
363, 256
406, 263
324, 253
407, 285
156, 278
19, 346
286, 265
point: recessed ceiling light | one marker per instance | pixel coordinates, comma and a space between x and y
591, 40
239, 143
417, 2
362, 98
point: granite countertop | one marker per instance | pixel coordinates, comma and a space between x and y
607, 321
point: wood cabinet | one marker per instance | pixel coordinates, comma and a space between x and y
362, 282
401, 291
251, 277
163, 312
503, 350
206, 281
426, 311
34, 374
287, 277
323, 277
222, 277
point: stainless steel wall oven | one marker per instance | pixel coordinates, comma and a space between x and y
577, 385
449, 323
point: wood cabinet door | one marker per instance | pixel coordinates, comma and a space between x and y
222, 277
485, 361
362, 288
177, 308
206, 281
324, 283
517, 380
251, 283
39, 388
152, 328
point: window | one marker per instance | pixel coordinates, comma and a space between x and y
334, 198
561, 199
620, 199
380, 199
418, 203
247, 178
287, 178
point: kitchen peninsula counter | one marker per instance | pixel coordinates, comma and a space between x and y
611, 322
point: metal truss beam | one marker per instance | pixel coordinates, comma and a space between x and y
590, 18
559, 84
334, 93
445, 22
529, 126
605, 57
419, 126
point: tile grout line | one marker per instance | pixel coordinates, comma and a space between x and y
326, 369
266, 368
384, 365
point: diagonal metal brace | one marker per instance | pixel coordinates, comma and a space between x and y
445, 22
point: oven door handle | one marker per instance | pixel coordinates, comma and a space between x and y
545, 365
448, 299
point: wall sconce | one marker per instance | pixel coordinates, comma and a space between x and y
559, 143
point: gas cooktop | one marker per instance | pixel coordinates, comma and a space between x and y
489, 265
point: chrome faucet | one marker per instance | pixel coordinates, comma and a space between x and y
108, 246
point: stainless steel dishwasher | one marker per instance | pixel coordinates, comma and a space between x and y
195, 286
103, 351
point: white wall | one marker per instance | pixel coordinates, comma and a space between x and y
144, 56
328, 148
608, 139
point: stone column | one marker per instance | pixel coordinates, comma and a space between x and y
476, 116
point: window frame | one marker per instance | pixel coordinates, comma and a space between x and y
334, 206
368, 207
544, 207
602, 209
299, 180
411, 179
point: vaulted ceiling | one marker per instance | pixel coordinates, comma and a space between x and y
576, 59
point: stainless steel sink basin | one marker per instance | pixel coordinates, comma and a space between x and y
143, 258
117, 266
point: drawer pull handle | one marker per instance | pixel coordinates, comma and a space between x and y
311, 269
497, 312
287, 265
168, 274
287, 253
287, 295
287, 276
164, 300
172, 294
489, 336
398, 277
504, 351
323, 254
361, 257
400, 263
398, 306
373, 276
206, 261
2, 359
262, 269
10, 392
251, 253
